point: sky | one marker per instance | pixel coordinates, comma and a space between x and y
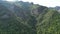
48, 3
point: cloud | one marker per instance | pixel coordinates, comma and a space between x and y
48, 3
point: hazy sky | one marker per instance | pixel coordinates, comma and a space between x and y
48, 3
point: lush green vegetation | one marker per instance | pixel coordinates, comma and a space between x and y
28, 18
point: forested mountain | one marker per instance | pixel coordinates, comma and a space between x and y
28, 18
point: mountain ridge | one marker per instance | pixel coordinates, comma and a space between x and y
28, 18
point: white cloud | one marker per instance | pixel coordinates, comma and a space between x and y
48, 3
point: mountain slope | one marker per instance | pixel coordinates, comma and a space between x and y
28, 18
49, 24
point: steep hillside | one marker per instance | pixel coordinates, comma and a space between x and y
28, 18
49, 23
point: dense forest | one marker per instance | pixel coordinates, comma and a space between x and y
28, 18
